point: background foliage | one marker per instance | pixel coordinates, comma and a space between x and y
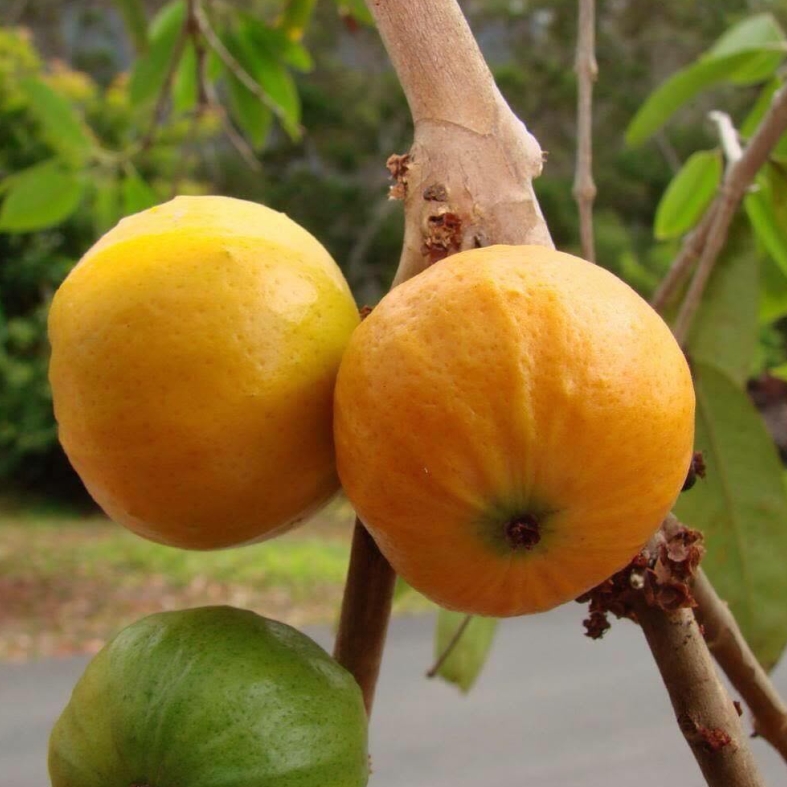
109, 107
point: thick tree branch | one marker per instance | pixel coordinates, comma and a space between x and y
467, 180
734, 656
586, 68
740, 175
705, 713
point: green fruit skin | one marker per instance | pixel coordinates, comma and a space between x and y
211, 697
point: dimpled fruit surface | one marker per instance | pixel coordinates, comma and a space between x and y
512, 425
194, 353
211, 697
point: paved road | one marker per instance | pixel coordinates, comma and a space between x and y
552, 709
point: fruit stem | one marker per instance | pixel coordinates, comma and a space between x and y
366, 610
523, 532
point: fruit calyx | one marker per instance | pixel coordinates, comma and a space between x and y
523, 531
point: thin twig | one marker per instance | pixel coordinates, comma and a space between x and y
586, 68
449, 648
366, 610
739, 177
705, 713
238, 71
681, 266
734, 656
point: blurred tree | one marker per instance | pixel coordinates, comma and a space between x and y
315, 147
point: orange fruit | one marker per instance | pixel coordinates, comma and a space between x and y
194, 354
512, 425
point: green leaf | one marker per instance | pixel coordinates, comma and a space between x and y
40, 197
761, 106
276, 43
756, 30
741, 506
251, 115
688, 194
682, 87
262, 65
136, 194
469, 654
748, 53
106, 203
771, 236
295, 17
357, 9
61, 125
759, 210
150, 71
184, 86
779, 371
773, 291
725, 330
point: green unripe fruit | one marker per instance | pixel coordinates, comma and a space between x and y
211, 697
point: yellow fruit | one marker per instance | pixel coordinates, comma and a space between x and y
512, 425
194, 355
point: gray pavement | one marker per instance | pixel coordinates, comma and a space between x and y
552, 709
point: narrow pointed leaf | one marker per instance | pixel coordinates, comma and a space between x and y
250, 114
772, 238
682, 86
63, 128
150, 70
136, 194
468, 656
357, 9
106, 203
184, 86
295, 17
273, 78
39, 197
688, 194
726, 328
759, 30
741, 506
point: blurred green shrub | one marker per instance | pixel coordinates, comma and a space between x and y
65, 177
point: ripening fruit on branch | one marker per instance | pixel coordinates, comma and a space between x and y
512, 425
194, 355
211, 697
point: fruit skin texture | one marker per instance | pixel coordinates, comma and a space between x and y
211, 697
506, 383
194, 354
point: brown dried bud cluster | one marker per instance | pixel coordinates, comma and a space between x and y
443, 236
662, 572
696, 470
398, 165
